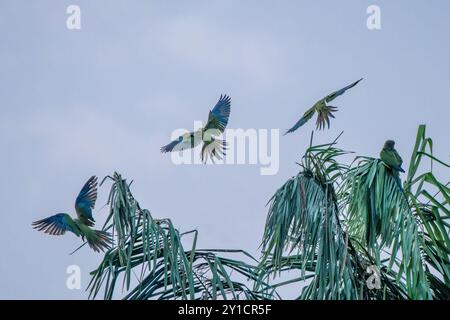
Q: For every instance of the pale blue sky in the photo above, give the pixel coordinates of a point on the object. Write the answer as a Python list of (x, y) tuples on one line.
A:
[(107, 97)]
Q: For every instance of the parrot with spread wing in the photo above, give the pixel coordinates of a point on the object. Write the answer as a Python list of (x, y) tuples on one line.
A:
[(58, 224), (324, 111), (392, 159), (213, 147)]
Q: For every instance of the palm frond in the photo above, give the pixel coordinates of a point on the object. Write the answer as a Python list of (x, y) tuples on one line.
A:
[(304, 217), (151, 260)]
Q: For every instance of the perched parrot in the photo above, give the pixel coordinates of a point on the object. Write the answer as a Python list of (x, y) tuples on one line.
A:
[(392, 159), (62, 222), (324, 111), (212, 147)]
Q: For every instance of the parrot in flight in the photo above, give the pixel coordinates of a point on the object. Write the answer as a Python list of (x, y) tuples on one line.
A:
[(324, 111), (392, 159), (62, 222), (216, 124)]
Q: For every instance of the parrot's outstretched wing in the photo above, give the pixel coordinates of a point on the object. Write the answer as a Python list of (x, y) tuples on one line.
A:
[(56, 225), (182, 143), (214, 148), (219, 115), (306, 116), (336, 94), (85, 201)]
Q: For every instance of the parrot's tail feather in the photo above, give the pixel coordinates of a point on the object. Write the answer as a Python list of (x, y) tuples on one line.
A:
[(398, 182), (99, 240), (214, 149), (323, 117)]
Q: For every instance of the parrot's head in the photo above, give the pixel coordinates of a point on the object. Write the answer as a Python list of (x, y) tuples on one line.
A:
[(389, 144)]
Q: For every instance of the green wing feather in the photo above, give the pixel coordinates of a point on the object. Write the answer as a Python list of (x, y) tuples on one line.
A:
[(305, 118), (337, 93), (85, 201), (219, 115), (392, 159), (57, 225)]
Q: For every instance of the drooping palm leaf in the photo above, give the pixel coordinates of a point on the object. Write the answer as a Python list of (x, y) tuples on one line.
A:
[(304, 217), (150, 255)]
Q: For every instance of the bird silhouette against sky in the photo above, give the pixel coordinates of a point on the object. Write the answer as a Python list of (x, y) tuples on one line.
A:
[(392, 159), (324, 111), (60, 223), (213, 147)]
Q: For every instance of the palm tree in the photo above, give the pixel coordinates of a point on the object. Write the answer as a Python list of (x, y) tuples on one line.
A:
[(345, 231)]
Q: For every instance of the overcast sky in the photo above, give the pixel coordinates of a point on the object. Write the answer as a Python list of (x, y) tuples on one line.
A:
[(105, 98)]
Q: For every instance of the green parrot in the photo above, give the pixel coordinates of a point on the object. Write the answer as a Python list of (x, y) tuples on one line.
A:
[(324, 111), (59, 223), (212, 148), (392, 159)]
